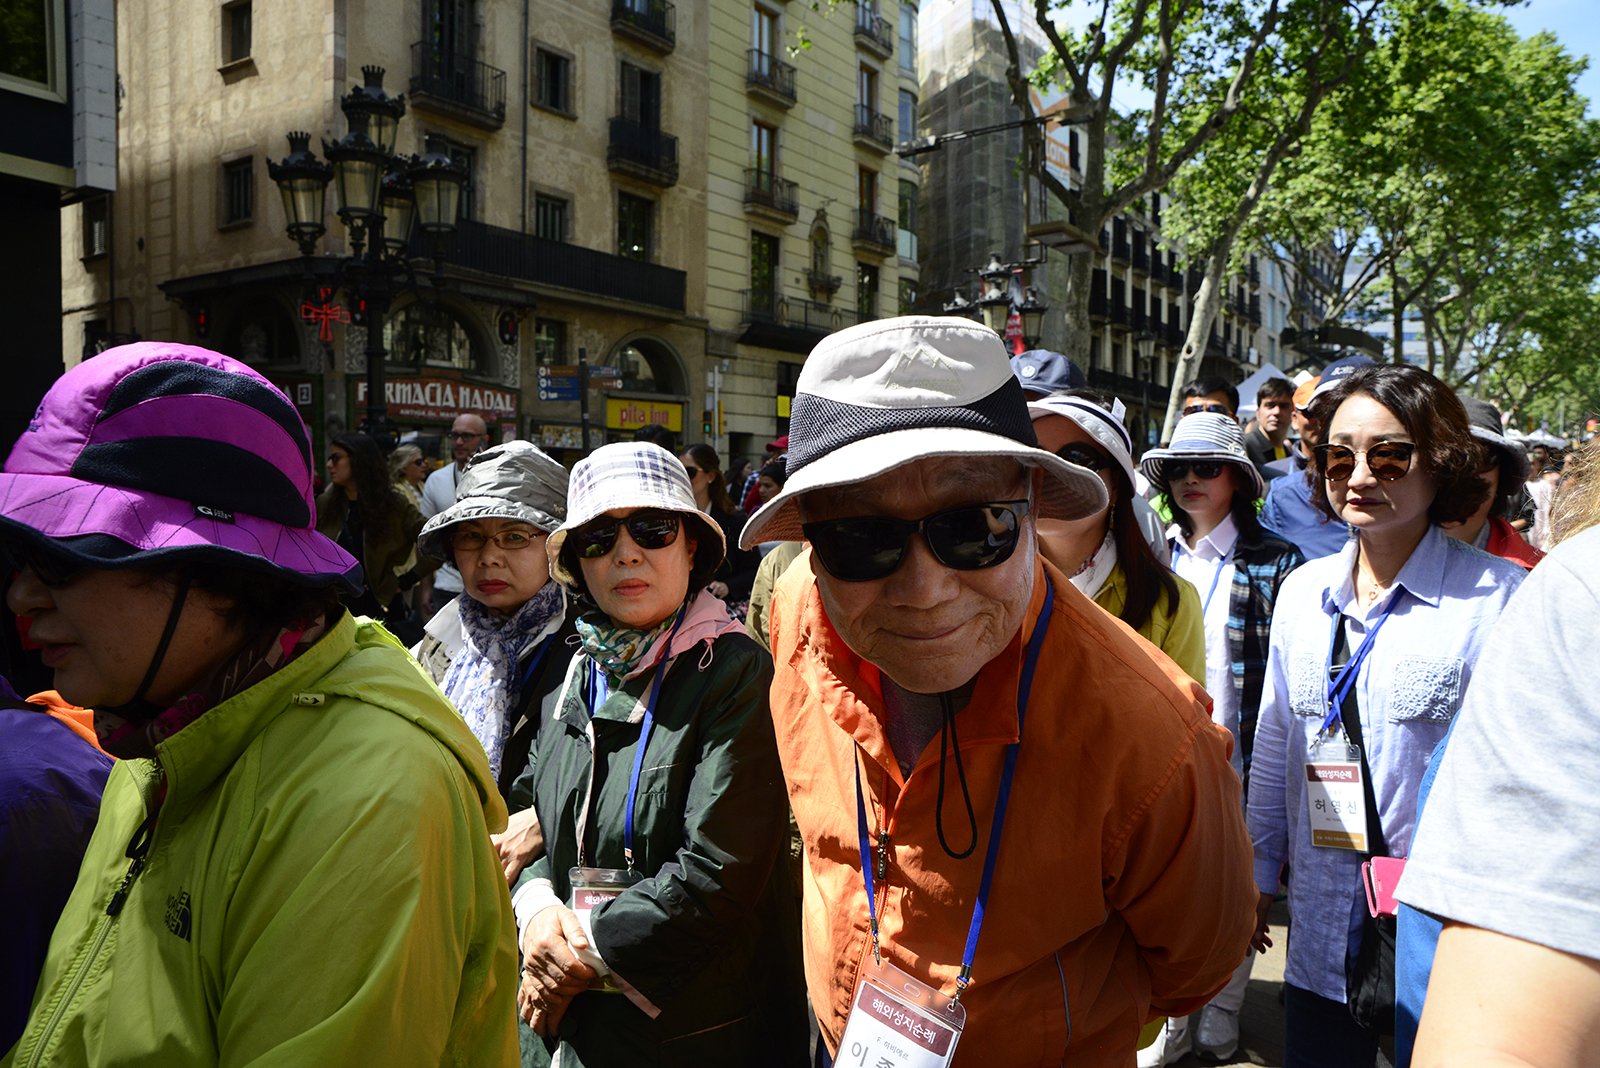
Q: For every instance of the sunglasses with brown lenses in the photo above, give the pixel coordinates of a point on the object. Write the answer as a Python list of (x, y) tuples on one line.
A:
[(1387, 460)]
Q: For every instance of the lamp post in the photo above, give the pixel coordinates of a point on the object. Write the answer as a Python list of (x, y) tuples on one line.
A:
[(960, 305), (1145, 341), (380, 194), (1032, 310)]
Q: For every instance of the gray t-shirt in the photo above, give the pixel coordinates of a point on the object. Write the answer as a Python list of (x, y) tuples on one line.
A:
[(1510, 838)]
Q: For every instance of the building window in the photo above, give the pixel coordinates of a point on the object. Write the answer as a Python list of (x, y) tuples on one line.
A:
[(867, 190), (429, 335), (236, 31), (764, 149), (32, 46), (906, 237), (550, 217), (238, 191), (764, 31), (96, 227), (866, 291), (867, 89), (635, 226), (763, 273), (640, 97), (549, 342), (467, 157), (552, 80), (908, 37), (908, 115)]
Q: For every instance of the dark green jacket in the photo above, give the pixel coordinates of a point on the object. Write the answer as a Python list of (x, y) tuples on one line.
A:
[(703, 937)]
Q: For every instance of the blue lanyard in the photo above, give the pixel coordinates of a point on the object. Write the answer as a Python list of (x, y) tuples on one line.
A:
[(1002, 799), (1339, 686), (1216, 576), (530, 672), (598, 689)]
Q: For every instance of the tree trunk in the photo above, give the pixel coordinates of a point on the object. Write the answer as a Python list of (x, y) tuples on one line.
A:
[(1206, 303)]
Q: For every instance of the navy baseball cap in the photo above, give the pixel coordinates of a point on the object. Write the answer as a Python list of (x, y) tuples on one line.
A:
[(1041, 372), (1339, 370)]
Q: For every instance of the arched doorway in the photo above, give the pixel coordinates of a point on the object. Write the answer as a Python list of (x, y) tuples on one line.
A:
[(648, 385)]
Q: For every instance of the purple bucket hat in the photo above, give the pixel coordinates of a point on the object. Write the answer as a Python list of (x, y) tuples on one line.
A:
[(154, 451)]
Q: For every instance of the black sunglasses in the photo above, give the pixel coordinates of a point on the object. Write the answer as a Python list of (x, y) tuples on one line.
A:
[(1178, 470), (1084, 456), (1387, 460), (968, 538), (691, 469), (649, 529), (1214, 409), (52, 569)]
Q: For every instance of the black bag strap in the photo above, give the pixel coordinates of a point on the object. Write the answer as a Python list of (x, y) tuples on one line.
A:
[(1350, 716)]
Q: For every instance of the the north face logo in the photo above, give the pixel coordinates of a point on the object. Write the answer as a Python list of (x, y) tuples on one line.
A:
[(178, 919)]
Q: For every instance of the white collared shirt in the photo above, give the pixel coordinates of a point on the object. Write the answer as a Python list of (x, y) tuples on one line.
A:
[(1208, 567)]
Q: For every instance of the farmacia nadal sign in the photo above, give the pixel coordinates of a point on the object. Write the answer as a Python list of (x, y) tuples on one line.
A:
[(441, 398)]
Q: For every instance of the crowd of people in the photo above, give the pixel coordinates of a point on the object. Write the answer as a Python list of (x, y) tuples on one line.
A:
[(950, 731)]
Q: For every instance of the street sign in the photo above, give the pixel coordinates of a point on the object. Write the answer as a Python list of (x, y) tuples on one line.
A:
[(558, 382)]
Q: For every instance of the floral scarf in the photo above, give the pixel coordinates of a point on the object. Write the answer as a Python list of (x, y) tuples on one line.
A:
[(618, 650), (128, 732), (482, 681), (1091, 576)]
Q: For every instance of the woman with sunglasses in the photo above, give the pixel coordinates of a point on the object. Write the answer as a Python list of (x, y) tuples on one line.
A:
[(653, 929), (1108, 555), (1211, 486), (291, 863), (733, 578), (1370, 653)]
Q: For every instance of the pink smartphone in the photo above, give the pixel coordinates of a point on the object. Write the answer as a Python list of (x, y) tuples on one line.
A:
[(1380, 876)]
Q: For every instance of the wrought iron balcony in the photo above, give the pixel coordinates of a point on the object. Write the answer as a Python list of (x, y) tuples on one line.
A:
[(494, 250), (770, 78), (652, 23), (873, 129), (873, 233), (458, 86), (873, 32), (642, 152), (765, 192), (791, 324), (1141, 255)]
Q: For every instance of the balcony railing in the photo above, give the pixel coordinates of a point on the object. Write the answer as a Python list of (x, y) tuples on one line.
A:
[(873, 32), (643, 152), (458, 86), (653, 23), (1141, 256), (766, 191), (494, 250), (796, 313), (873, 231), (874, 129), (771, 77)]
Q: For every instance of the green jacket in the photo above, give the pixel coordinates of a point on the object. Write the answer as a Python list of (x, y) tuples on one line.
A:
[(708, 938), (319, 889), (1180, 632)]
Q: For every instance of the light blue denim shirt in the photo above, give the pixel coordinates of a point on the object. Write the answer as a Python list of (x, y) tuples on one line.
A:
[(1444, 601)]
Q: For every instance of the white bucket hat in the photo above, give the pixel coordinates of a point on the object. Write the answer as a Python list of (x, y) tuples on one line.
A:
[(1203, 436), (634, 474), (887, 393), (1105, 427)]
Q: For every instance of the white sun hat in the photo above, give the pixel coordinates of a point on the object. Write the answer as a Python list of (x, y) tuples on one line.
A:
[(884, 394)]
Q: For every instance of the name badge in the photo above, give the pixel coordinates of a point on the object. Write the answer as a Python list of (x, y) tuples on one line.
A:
[(898, 1021), (591, 888), (1336, 800)]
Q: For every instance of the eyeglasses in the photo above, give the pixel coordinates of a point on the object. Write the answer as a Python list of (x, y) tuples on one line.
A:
[(418, 462), (1214, 409), (1387, 460), (969, 538), (649, 528), (510, 540), (1178, 470), (49, 568), (1084, 456), (463, 435), (692, 469)]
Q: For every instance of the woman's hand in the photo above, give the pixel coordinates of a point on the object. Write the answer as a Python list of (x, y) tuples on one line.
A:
[(718, 589), (520, 844), (1261, 941), (549, 964), (542, 1013)]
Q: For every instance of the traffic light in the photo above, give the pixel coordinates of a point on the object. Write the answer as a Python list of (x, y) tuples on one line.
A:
[(706, 422)]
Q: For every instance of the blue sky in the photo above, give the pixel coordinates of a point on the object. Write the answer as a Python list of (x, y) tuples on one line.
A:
[(1575, 25)]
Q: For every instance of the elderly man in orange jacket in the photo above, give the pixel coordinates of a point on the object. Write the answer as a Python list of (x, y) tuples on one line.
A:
[(1022, 835)]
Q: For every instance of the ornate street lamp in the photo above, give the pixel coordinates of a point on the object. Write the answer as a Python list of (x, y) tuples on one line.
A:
[(960, 305), (995, 300), (1032, 310), (379, 194), (1145, 342)]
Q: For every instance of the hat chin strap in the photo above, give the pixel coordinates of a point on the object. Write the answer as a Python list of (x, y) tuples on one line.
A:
[(137, 708)]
